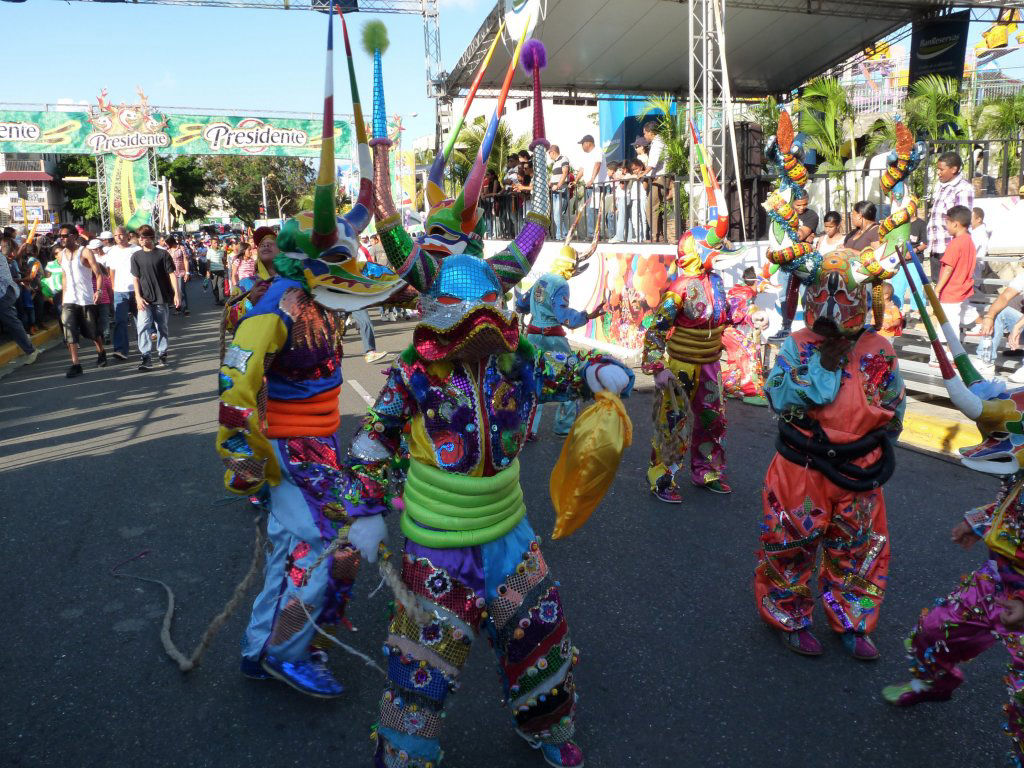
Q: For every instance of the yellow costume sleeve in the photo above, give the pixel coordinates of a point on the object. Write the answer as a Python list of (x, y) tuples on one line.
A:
[(244, 449)]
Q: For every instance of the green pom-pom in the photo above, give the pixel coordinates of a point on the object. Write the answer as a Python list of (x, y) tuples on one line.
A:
[(375, 37)]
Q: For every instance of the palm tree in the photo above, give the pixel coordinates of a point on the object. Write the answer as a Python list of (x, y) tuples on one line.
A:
[(826, 119), (765, 113), (467, 146), (932, 105), (1003, 118)]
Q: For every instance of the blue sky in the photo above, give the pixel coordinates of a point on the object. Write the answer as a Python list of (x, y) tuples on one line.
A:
[(218, 57), (233, 59)]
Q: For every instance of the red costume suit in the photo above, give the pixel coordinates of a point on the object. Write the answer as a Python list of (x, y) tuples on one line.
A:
[(840, 399)]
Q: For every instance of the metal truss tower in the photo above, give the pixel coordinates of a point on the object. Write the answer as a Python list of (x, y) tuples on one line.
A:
[(705, 105), (101, 189)]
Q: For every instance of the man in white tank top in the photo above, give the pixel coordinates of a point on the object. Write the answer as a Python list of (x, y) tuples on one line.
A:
[(78, 307)]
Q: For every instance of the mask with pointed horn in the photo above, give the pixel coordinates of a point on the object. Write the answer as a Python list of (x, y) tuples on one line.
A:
[(320, 247), (702, 248)]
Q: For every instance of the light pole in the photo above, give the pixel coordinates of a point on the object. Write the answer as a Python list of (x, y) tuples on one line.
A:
[(263, 187)]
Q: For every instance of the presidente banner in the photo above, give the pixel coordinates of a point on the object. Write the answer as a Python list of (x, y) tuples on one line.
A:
[(130, 130)]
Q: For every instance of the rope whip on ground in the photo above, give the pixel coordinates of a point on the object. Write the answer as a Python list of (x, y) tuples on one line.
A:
[(403, 595), (188, 663)]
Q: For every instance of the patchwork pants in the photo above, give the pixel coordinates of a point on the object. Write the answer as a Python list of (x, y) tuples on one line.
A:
[(962, 626), (565, 412), (502, 589), (697, 425), (305, 517), (802, 512)]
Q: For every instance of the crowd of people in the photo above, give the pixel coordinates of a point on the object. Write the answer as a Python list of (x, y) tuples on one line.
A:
[(626, 198), (96, 286)]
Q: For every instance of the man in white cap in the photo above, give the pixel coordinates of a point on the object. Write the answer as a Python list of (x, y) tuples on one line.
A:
[(118, 259)]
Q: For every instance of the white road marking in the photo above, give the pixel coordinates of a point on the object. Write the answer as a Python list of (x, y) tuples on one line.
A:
[(360, 391)]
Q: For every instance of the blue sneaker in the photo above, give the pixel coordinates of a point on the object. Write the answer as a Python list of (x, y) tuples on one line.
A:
[(305, 676), (252, 669)]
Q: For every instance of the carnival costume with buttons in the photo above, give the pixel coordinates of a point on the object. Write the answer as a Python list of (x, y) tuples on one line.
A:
[(824, 486), (742, 371), (685, 337), (547, 301), (465, 391), (961, 626), (279, 388)]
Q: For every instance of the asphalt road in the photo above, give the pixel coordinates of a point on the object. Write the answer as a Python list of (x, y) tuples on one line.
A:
[(676, 667)]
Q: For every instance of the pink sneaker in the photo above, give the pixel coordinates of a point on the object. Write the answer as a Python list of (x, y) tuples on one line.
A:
[(904, 695), (860, 647), (564, 755), (803, 642), (669, 495)]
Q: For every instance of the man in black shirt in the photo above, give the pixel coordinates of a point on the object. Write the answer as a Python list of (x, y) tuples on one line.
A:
[(153, 270)]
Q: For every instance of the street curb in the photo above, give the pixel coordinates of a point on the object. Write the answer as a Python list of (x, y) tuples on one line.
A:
[(937, 435), (10, 350)]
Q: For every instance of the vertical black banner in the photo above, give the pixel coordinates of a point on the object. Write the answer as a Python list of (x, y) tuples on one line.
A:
[(939, 45)]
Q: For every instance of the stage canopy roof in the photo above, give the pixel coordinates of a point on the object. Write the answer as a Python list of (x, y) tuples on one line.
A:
[(640, 46)]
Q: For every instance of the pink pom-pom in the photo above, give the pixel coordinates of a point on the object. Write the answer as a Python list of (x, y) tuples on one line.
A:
[(534, 56)]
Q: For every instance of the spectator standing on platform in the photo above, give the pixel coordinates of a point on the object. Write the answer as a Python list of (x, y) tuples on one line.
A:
[(592, 171), (215, 271), (951, 189), (832, 238), (956, 274), (621, 205), (980, 235), (155, 288), (636, 202), (559, 183), (78, 311), (9, 294), (808, 218), (865, 228), (182, 270), (118, 260), (654, 172)]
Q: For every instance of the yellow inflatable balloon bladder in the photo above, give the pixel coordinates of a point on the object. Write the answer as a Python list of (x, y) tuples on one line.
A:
[(588, 462)]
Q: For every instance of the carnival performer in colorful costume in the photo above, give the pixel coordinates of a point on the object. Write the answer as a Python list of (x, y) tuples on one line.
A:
[(838, 392), (988, 605), (279, 388), (466, 390), (682, 348), (547, 301), (742, 370)]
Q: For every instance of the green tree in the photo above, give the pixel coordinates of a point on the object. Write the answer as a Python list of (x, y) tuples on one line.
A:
[(237, 180), (826, 118), (931, 108), (83, 198), (188, 181), (467, 146), (1003, 118), (765, 113)]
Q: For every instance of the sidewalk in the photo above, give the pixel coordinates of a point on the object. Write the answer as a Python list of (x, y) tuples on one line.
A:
[(11, 352)]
